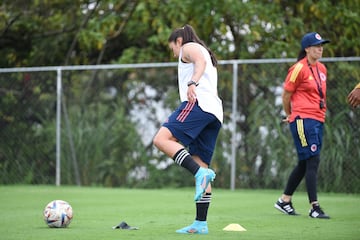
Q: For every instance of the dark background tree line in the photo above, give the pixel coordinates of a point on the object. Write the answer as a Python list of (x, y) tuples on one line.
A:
[(108, 147)]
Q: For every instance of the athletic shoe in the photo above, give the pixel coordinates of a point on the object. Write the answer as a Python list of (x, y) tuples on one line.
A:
[(202, 179), (317, 212), (285, 207), (197, 227)]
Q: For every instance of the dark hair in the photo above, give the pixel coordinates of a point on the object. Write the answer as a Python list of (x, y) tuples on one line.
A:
[(188, 35), (301, 55)]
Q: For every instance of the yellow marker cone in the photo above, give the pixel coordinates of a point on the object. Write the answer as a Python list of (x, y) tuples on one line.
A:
[(234, 227)]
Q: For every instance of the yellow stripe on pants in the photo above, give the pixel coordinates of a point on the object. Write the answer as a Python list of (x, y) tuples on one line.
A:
[(300, 130)]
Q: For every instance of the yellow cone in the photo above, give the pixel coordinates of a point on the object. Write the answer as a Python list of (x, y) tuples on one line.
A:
[(234, 227)]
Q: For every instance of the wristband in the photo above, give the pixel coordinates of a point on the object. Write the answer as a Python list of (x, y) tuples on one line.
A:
[(192, 83)]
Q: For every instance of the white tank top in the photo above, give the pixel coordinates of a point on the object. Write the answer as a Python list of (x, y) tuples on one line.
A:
[(206, 91)]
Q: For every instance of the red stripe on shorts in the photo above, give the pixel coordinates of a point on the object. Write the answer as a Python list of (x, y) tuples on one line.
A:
[(185, 112)]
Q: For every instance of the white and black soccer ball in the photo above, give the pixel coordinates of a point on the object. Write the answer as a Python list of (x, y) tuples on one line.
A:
[(58, 214)]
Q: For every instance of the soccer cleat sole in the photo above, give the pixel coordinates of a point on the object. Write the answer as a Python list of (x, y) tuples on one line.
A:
[(205, 183)]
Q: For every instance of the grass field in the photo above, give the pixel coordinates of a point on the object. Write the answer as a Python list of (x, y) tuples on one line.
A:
[(158, 213)]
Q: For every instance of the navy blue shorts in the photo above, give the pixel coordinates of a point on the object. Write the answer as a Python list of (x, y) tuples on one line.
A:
[(307, 134), (195, 129)]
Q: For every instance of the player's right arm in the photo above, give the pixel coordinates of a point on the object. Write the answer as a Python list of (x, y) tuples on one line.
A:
[(354, 96), (286, 101), (290, 85)]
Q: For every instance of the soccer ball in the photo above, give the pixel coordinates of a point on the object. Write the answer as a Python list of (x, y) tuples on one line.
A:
[(58, 214)]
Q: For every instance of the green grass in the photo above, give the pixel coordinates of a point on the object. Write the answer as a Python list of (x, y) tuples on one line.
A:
[(158, 213)]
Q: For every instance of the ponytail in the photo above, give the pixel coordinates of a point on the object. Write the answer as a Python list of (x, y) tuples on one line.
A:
[(301, 55), (188, 34)]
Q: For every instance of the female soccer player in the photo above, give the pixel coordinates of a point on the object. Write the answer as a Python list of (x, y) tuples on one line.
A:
[(196, 122)]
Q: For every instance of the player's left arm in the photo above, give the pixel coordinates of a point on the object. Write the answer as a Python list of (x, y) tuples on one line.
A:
[(193, 54)]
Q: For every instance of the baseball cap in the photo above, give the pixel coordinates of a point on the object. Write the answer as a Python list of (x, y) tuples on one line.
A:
[(312, 39)]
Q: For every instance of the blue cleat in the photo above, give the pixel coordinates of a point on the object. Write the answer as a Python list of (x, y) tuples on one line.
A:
[(197, 227), (202, 179)]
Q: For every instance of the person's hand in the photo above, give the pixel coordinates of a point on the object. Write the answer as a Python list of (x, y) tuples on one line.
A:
[(354, 97), (286, 119), (191, 93)]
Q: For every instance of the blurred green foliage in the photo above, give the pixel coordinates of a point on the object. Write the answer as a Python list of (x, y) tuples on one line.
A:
[(107, 145)]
